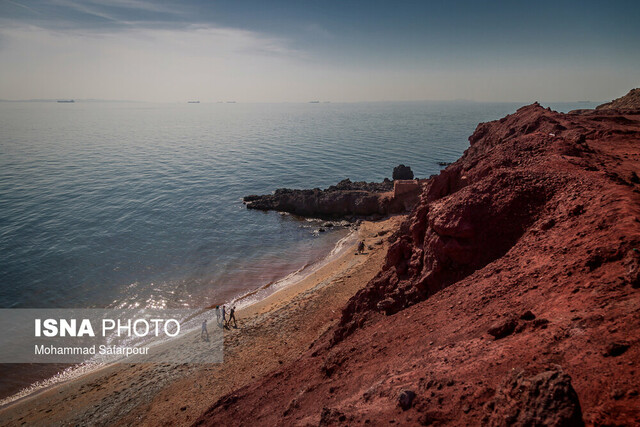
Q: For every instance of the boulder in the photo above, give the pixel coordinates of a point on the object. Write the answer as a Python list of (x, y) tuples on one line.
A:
[(402, 172), (527, 315), (405, 399), (504, 328), (615, 349), (546, 399)]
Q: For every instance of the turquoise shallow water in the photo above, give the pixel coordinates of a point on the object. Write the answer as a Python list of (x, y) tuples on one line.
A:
[(125, 204)]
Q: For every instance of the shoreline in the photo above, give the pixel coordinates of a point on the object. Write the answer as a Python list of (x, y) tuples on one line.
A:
[(330, 273), (255, 296), (242, 301)]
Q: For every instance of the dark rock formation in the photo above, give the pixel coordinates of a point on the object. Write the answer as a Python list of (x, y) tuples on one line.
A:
[(331, 417), (405, 399), (615, 349), (503, 329), (527, 315), (344, 200), (546, 399), (402, 172)]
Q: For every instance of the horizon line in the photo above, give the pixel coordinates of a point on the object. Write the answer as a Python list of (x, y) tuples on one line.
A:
[(99, 100)]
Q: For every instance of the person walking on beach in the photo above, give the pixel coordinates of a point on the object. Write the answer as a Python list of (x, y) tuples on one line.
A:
[(224, 316), (361, 246), (232, 316), (218, 315), (204, 334)]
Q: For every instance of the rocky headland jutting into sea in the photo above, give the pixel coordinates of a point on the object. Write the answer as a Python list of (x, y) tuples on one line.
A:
[(508, 297), (346, 200)]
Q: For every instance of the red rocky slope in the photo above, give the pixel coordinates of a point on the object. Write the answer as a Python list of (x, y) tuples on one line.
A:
[(510, 296), (630, 101)]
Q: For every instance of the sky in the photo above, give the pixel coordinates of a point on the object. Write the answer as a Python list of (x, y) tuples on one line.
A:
[(302, 50)]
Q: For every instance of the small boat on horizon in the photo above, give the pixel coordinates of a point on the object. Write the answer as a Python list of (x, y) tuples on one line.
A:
[(314, 102), (193, 102), (65, 101)]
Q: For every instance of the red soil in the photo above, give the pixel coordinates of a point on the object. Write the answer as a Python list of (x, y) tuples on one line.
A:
[(510, 296)]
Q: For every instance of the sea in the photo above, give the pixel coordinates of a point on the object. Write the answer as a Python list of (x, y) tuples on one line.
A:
[(132, 204)]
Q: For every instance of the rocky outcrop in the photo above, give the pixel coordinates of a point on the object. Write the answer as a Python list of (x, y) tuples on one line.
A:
[(349, 200), (631, 101), (546, 399), (402, 172)]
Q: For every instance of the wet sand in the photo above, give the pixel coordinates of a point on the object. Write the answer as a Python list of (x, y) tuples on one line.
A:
[(270, 333)]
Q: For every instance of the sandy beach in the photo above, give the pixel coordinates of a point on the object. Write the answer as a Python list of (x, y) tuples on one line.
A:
[(272, 332)]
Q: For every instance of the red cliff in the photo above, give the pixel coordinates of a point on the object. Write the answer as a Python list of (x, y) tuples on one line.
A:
[(510, 296)]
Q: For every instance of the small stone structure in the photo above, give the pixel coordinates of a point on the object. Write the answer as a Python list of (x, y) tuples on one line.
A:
[(404, 186)]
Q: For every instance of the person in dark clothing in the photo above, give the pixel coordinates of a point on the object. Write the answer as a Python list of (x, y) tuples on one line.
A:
[(224, 316), (232, 316), (361, 246)]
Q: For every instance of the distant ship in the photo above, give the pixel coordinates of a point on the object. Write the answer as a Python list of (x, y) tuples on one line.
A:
[(314, 102), (231, 102), (193, 102), (65, 101)]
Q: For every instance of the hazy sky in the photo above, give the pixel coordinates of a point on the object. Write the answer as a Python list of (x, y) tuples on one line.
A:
[(304, 50)]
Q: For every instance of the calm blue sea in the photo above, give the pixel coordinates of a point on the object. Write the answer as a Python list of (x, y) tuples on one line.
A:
[(132, 204)]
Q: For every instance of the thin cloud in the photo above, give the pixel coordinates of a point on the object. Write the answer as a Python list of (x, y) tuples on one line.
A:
[(98, 15), (87, 9), (137, 5), (30, 9), (138, 49), (145, 64)]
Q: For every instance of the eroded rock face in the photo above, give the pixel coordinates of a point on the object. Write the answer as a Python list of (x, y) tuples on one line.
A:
[(480, 206), (546, 399), (469, 215), (344, 200)]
